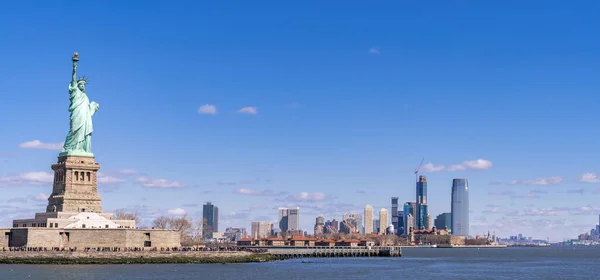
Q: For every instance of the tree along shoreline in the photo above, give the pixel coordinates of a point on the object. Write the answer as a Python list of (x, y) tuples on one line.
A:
[(254, 258)]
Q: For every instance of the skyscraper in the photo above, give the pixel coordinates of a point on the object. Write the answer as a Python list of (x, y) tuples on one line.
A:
[(289, 219), (210, 220), (460, 207), (261, 229), (410, 211), (401, 223), (383, 220), (421, 215), (319, 225), (443, 220), (395, 221), (368, 219), (355, 219)]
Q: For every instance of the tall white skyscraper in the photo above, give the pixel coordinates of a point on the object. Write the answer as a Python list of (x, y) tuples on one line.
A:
[(368, 219), (383, 220), (289, 219)]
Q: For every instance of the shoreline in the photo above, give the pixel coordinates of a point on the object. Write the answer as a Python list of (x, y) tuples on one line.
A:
[(100, 258)]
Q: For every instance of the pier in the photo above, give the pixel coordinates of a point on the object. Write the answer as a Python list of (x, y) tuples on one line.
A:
[(333, 252)]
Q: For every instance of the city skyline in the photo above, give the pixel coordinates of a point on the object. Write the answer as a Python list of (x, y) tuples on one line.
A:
[(324, 109)]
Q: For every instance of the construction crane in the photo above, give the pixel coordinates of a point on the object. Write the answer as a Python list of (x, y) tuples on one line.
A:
[(417, 170)]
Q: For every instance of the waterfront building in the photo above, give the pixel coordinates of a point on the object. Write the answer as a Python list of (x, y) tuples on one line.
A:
[(383, 220), (289, 219), (395, 213), (261, 229), (421, 203), (210, 220), (460, 207), (444, 220), (375, 225), (368, 219)]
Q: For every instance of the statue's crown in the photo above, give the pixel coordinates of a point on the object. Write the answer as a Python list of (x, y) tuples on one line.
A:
[(82, 79)]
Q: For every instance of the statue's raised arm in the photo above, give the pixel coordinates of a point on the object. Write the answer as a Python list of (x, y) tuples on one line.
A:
[(75, 61)]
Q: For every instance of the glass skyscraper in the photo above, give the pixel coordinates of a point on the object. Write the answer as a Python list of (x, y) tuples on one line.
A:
[(210, 216), (395, 214), (421, 221), (460, 207)]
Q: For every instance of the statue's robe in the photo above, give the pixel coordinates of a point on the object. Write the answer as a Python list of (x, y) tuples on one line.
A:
[(81, 112)]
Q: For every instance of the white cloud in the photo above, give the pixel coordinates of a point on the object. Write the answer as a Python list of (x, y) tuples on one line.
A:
[(245, 191), (176, 212), (589, 178), (108, 180), (555, 180), (476, 164), (374, 50), (128, 171), (34, 178), (430, 167), (208, 109), (158, 183), (41, 197), (37, 144), (305, 196), (248, 110)]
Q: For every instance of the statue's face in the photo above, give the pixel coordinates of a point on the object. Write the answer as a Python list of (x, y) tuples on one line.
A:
[(81, 86)]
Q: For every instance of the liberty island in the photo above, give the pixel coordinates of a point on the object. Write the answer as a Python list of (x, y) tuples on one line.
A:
[(74, 216)]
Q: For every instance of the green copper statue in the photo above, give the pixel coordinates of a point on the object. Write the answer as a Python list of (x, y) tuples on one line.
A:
[(79, 139)]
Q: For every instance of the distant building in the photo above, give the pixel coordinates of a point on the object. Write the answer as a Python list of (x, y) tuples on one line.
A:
[(400, 229), (395, 214), (235, 234), (368, 219), (356, 220), (289, 219), (376, 225), (332, 226), (421, 202), (460, 207), (429, 222), (410, 211), (319, 225), (444, 220), (383, 220), (210, 222), (261, 229)]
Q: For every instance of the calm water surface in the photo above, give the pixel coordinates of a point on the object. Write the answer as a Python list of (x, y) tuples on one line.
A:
[(510, 263)]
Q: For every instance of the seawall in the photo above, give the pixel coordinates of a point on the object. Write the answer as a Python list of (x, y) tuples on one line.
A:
[(92, 257)]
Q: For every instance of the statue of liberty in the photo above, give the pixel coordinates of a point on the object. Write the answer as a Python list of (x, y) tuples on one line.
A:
[(79, 139)]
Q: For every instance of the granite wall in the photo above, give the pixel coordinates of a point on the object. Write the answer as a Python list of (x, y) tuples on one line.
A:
[(92, 238)]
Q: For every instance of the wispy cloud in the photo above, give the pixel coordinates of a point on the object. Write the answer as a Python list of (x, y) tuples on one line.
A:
[(248, 110), (505, 192), (109, 180), (37, 144), (27, 178), (476, 164), (158, 183), (306, 196), (555, 180), (245, 191), (176, 212), (589, 177), (207, 109), (374, 50), (128, 171)]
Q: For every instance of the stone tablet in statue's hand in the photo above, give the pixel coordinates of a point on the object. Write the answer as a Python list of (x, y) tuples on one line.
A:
[(95, 106)]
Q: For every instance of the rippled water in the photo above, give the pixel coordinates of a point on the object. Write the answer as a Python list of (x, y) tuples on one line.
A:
[(417, 263)]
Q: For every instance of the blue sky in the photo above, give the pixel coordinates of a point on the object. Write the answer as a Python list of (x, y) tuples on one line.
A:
[(339, 102)]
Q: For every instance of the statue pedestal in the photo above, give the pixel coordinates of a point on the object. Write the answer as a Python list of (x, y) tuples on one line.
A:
[(75, 187)]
